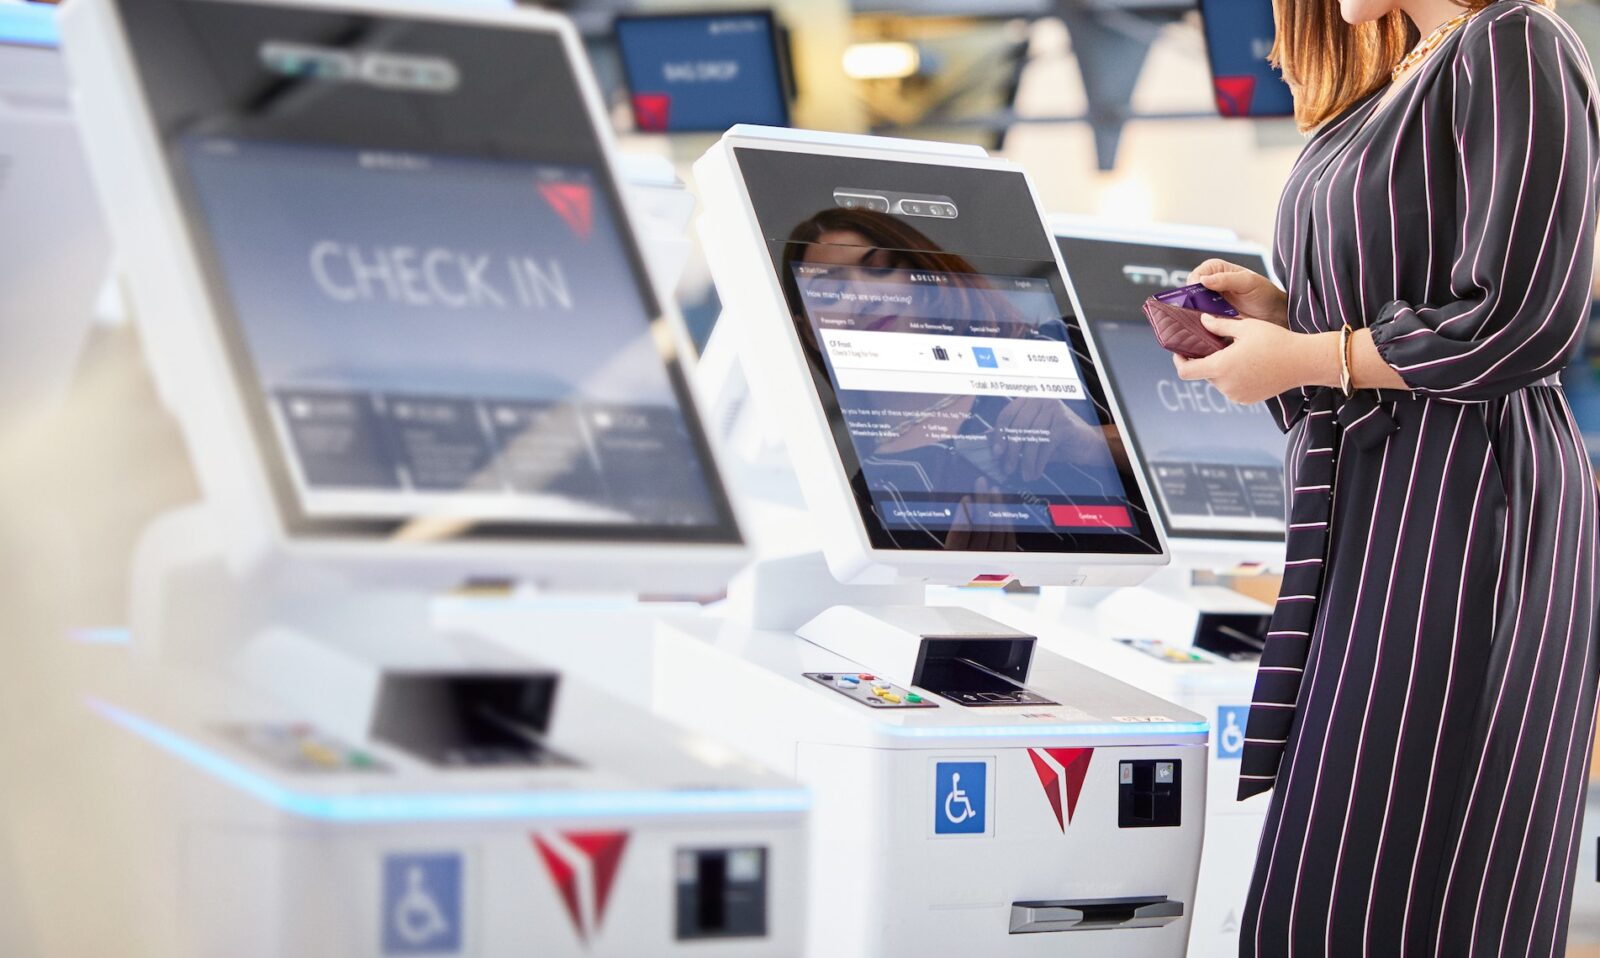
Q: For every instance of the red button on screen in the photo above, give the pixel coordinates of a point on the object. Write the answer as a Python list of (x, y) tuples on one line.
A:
[(1091, 517)]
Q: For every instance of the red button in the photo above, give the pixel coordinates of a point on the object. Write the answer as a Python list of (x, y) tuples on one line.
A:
[(867, 678), (1091, 517)]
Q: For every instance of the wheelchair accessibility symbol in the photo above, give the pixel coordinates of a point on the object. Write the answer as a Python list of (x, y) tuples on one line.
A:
[(422, 904), (1231, 721), (961, 792)]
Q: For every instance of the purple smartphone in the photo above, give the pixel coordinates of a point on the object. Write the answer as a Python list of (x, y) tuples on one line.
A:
[(1195, 296)]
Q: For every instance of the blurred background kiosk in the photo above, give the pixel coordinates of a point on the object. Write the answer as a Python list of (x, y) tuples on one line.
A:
[(389, 290), (1216, 471), (905, 318)]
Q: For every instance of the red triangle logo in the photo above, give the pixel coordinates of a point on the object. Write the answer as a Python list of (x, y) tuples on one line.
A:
[(574, 203), (1051, 783), (603, 853), (651, 110), (566, 880), (1062, 787), (1234, 94)]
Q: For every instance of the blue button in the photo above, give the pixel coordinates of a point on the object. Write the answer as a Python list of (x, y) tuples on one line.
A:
[(422, 904), (960, 798), (985, 357), (1231, 720)]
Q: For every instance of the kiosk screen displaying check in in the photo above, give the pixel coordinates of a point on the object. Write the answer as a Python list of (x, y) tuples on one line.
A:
[(1216, 466), (906, 321), (1216, 469), (391, 294)]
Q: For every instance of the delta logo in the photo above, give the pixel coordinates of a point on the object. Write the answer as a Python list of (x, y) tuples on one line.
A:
[(1234, 94), (1061, 771), (651, 111), (583, 866), (574, 203)]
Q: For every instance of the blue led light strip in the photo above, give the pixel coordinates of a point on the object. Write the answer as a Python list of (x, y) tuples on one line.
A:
[(1125, 730), (455, 806), (28, 23)]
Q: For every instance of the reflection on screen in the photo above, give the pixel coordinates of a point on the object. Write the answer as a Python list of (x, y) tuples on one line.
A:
[(702, 72), (1217, 466), (961, 397), (448, 337)]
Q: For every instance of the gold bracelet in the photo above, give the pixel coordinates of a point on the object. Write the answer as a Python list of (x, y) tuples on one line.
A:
[(1346, 381)]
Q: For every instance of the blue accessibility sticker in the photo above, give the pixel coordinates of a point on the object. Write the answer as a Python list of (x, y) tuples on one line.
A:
[(1231, 720), (960, 798), (422, 904)]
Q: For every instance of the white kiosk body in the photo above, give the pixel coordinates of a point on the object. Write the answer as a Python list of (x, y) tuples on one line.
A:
[(55, 254), (1216, 470), (901, 306), (389, 286)]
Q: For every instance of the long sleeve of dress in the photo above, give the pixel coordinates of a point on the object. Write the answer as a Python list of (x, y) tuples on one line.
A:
[(1526, 139)]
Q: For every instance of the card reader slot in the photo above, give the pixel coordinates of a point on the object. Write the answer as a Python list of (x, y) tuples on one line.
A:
[(1093, 914), (977, 671), (469, 720), (1237, 636)]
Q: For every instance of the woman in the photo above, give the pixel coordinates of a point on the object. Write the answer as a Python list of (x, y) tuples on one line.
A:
[(1424, 708)]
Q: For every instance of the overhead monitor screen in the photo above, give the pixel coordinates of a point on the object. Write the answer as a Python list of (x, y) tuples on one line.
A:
[(1216, 466), (1238, 35), (964, 403), (425, 285), (703, 72)]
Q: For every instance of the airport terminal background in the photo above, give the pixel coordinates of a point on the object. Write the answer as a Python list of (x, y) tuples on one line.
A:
[(1119, 111)]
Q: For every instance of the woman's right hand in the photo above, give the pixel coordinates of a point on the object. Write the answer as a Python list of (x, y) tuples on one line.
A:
[(1246, 290)]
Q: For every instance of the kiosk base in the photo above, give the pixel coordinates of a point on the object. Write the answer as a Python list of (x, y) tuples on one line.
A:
[(994, 828), (340, 776), (1142, 636)]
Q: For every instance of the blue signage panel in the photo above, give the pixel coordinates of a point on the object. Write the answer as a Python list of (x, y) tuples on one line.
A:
[(703, 72), (1230, 726), (1239, 35), (960, 798), (422, 896)]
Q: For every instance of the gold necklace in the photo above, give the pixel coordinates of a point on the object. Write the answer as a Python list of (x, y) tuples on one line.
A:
[(1427, 44)]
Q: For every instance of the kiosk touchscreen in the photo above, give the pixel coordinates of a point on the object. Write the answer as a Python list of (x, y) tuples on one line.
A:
[(391, 291), (904, 312)]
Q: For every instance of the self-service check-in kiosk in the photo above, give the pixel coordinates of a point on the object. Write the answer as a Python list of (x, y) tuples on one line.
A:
[(1215, 469), (389, 288), (905, 317)]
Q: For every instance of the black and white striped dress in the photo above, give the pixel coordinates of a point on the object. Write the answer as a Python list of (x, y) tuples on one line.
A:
[(1425, 705)]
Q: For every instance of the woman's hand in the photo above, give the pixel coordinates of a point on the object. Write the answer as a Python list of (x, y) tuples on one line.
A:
[(1263, 360), (1245, 290)]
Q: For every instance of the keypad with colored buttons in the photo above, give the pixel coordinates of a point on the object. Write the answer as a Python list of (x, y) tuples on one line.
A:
[(300, 747), (1157, 649), (872, 690)]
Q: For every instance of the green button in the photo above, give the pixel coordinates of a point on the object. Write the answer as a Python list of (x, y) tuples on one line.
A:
[(359, 760), (913, 698)]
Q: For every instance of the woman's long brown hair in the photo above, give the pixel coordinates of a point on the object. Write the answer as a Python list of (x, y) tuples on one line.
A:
[(1330, 64)]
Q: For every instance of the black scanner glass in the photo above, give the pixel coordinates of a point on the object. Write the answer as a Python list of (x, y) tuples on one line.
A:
[(958, 387), (434, 308)]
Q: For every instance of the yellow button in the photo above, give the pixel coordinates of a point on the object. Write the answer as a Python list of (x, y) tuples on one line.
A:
[(320, 754), (891, 698)]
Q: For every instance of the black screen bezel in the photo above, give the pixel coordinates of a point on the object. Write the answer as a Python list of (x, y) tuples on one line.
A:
[(781, 68), (1144, 540), (1174, 532), (180, 109)]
